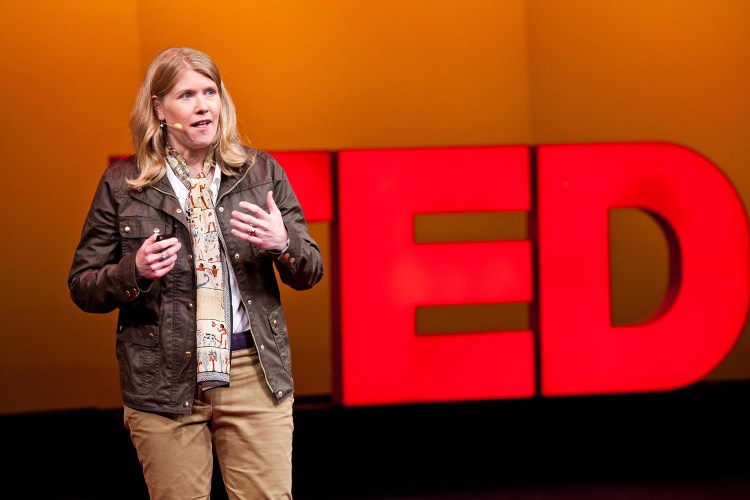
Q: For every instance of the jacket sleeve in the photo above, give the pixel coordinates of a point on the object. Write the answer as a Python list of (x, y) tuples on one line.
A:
[(301, 265), (100, 278)]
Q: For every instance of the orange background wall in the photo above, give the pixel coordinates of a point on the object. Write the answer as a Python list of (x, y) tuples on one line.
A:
[(67, 69), (330, 75)]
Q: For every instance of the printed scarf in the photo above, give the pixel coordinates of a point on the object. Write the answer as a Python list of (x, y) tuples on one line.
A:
[(213, 301)]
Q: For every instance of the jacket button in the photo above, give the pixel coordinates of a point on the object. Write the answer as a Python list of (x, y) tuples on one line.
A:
[(186, 404), (188, 354), (274, 322), (126, 229), (291, 261), (179, 210), (151, 335), (221, 209), (190, 305), (249, 301), (127, 293), (262, 347), (236, 256), (140, 189), (286, 255), (280, 393), (190, 257)]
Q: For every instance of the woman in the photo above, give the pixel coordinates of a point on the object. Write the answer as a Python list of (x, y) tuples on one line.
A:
[(183, 238)]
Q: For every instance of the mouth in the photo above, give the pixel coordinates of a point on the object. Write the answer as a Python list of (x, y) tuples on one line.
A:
[(201, 124)]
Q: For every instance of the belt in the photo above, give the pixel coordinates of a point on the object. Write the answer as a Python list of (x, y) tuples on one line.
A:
[(241, 340)]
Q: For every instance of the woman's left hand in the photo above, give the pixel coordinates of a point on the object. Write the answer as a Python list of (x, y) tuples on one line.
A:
[(263, 229)]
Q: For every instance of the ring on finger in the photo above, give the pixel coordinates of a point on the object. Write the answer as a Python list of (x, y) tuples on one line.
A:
[(252, 230), (163, 256)]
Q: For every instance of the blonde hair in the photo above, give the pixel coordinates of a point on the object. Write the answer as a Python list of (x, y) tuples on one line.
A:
[(149, 139)]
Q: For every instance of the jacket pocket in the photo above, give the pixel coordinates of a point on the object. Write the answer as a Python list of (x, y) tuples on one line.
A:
[(138, 355), (135, 230), (277, 322)]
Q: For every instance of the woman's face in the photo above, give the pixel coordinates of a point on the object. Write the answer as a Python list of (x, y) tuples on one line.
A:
[(195, 104)]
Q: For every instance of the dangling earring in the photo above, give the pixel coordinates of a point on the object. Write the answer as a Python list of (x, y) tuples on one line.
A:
[(163, 123)]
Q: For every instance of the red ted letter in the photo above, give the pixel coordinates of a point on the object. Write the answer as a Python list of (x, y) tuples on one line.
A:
[(310, 175), (708, 298), (385, 275)]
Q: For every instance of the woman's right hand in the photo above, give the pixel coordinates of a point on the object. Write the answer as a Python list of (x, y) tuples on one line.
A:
[(156, 258)]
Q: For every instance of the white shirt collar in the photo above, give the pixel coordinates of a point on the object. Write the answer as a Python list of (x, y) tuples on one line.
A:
[(182, 192)]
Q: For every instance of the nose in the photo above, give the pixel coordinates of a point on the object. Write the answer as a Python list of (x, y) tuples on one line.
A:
[(201, 106)]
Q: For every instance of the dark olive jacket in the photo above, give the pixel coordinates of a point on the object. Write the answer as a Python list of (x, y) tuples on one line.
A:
[(156, 329)]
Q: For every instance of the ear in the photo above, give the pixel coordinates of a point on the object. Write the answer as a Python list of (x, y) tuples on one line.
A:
[(156, 102)]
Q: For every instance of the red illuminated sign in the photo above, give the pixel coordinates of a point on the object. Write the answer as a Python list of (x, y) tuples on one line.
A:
[(385, 275)]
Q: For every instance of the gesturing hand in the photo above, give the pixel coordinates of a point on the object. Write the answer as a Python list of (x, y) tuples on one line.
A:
[(263, 229), (156, 258)]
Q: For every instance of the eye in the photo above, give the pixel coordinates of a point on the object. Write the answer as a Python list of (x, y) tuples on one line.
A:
[(211, 92), (186, 95)]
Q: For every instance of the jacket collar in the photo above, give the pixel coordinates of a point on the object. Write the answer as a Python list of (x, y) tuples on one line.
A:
[(229, 183), (162, 197)]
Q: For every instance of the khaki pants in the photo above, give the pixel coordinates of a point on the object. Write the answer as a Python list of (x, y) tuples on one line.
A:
[(252, 437)]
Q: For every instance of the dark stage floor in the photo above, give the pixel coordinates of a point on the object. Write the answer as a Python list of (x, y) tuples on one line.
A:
[(688, 444)]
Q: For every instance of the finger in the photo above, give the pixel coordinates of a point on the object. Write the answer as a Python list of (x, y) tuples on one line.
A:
[(241, 234), (246, 218), (254, 209), (162, 245), (172, 245), (166, 246), (158, 273), (245, 235), (153, 258), (151, 240), (271, 203), (156, 259), (247, 226), (164, 264), (241, 225), (169, 249), (154, 246)]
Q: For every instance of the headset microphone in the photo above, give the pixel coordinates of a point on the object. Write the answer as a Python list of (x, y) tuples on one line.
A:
[(176, 126)]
